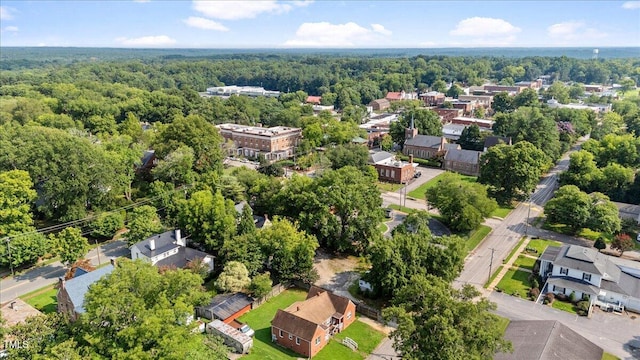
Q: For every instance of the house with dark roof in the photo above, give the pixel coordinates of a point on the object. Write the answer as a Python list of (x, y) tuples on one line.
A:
[(71, 292), (307, 326), (490, 141), (547, 340), (423, 146), (465, 162), (168, 249), (628, 211), (603, 280), (259, 221), (380, 104), (225, 307)]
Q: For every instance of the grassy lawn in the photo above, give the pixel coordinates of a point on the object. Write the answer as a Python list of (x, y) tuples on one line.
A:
[(477, 237), (541, 244), (501, 212), (387, 186), (525, 262), (515, 282), (504, 322), (260, 320), (564, 306), (607, 356), (43, 299), (403, 209), (493, 276), (363, 334), (418, 193), (383, 228), (515, 249)]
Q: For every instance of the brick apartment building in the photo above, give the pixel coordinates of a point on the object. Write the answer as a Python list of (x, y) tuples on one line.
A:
[(274, 143)]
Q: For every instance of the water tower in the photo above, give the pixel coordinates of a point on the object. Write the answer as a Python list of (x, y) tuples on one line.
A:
[(595, 53)]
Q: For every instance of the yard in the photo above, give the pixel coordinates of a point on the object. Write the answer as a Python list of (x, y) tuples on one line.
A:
[(541, 244), (564, 306), (501, 212), (43, 299), (260, 320), (478, 235), (515, 282), (525, 262), (418, 193), (388, 187)]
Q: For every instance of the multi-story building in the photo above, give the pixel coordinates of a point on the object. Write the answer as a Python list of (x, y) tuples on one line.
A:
[(274, 143), (253, 91), (391, 169)]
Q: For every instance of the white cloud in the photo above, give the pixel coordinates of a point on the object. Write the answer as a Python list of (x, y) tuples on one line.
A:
[(11, 29), (631, 5), (574, 31), (235, 10), (206, 24), (5, 13), (484, 27), (147, 41), (324, 34)]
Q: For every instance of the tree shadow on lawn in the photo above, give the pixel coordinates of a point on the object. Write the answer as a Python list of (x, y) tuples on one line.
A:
[(264, 336)]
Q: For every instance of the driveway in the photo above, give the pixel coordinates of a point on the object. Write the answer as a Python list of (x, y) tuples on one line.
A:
[(427, 174)]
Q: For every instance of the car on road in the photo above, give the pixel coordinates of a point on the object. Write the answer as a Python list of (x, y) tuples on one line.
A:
[(388, 212)]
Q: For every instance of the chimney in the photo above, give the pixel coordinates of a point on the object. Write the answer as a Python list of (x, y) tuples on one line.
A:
[(179, 240), (113, 261), (411, 159), (442, 142), (152, 244), (61, 282)]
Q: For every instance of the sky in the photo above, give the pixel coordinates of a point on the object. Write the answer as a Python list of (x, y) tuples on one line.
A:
[(319, 24)]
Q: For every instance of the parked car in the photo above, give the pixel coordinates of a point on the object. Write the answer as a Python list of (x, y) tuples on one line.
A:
[(388, 212), (247, 330)]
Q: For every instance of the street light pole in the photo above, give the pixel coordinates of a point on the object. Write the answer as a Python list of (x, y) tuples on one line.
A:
[(98, 250), (526, 228), (9, 253), (491, 263)]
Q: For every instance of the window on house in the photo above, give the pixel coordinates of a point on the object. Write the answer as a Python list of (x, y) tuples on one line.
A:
[(349, 315), (290, 337), (564, 271), (280, 333), (318, 340), (586, 277), (297, 340)]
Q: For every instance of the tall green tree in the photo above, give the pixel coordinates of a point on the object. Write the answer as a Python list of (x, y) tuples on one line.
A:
[(70, 245), (471, 139), (463, 205), (426, 121), (582, 172), (208, 218), (234, 277), (143, 222), (512, 172), (503, 103), (436, 321), (532, 125), (348, 155)]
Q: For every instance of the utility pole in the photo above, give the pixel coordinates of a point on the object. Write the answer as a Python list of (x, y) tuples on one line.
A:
[(9, 253), (526, 228), (98, 250), (491, 263)]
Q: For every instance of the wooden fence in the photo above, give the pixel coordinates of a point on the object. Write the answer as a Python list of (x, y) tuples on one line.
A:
[(275, 290)]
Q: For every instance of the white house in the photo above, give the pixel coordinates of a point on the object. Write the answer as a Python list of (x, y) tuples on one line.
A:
[(168, 249), (605, 281)]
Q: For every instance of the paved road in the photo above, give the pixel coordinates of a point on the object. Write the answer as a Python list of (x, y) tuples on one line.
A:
[(616, 334), (498, 244), (12, 287)]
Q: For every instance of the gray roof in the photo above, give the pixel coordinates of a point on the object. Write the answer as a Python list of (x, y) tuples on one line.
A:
[(490, 141), (425, 141), (225, 305), (78, 286), (376, 157), (547, 340), (628, 211), (464, 156), (587, 260), (180, 259), (627, 284), (164, 242), (448, 146), (550, 253)]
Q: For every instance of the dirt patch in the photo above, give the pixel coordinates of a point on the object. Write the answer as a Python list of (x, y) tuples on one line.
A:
[(336, 273)]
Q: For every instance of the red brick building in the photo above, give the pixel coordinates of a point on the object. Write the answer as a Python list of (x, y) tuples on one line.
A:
[(274, 143), (448, 114), (392, 170), (307, 326)]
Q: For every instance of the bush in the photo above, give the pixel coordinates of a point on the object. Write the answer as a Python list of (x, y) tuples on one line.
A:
[(549, 297), (572, 297), (561, 297), (107, 224), (535, 284), (534, 293), (582, 308)]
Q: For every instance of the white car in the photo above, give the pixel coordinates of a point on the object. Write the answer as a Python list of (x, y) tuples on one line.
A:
[(247, 330)]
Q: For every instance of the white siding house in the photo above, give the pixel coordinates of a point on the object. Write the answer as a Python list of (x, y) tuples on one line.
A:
[(168, 249)]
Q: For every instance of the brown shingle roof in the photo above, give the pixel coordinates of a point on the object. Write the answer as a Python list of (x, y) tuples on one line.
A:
[(293, 324)]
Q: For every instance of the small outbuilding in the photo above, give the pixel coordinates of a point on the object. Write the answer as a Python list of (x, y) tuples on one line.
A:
[(226, 307), (240, 342)]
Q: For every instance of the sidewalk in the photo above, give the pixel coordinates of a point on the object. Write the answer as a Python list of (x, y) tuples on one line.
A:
[(507, 266)]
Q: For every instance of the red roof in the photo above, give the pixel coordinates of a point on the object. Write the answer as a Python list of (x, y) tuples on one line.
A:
[(314, 99), (393, 96)]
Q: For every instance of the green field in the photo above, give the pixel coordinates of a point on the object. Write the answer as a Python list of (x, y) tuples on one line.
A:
[(43, 299), (478, 235), (364, 335), (515, 282), (564, 306), (418, 193)]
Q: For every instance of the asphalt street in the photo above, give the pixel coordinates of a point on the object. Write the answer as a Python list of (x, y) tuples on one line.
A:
[(12, 287)]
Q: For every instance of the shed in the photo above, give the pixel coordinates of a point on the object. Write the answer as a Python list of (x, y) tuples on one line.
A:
[(240, 342), (225, 307)]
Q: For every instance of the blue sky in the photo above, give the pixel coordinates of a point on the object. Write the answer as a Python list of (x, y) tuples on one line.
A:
[(335, 24)]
